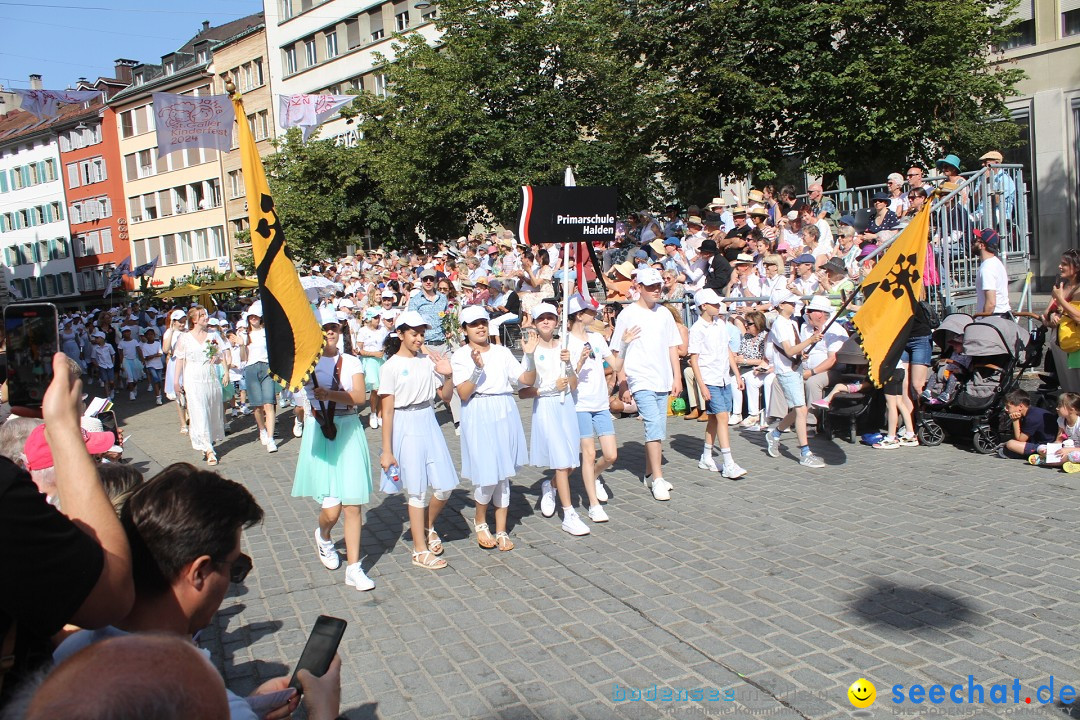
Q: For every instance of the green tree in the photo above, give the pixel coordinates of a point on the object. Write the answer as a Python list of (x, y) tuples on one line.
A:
[(845, 84), (517, 90), (325, 195)]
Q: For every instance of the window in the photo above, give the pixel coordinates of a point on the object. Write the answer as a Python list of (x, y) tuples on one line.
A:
[(257, 72), (376, 24), (146, 163), (44, 250), (217, 242), (149, 202), (286, 9), (169, 250), (127, 126), (380, 84), (1025, 31), (170, 67), (309, 52), (50, 285), (260, 124), (290, 60), (352, 32), (401, 15), (50, 170), (202, 56), (429, 13), (331, 45), (1070, 17), (61, 248), (67, 285)]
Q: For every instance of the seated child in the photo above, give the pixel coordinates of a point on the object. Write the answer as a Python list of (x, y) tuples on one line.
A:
[(1032, 427), (853, 387), (1068, 434), (949, 371)]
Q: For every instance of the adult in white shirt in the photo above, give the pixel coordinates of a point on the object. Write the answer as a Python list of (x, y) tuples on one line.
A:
[(650, 369), (825, 236), (992, 280)]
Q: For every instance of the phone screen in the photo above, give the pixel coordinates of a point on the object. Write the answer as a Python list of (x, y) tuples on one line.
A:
[(320, 649), (32, 340), (108, 424)]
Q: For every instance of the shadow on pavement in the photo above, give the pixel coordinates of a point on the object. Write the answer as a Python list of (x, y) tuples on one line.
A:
[(909, 608), (367, 711)]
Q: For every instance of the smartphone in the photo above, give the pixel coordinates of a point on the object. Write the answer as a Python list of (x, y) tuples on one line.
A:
[(32, 339), (108, 424), (320, 649)]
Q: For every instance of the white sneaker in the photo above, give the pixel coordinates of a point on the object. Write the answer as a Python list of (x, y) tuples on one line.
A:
[(547, 499), (597, 514), (263, 437), (812, 461), (705, 462), (732, 471), (327, 553), (355, 576), (601, 491), (271, 446), (131, 395), (772, 444), (734, 419), (573, 524), (158, 399), (297, 428), (661, 488), (149, 388), (373, 421)]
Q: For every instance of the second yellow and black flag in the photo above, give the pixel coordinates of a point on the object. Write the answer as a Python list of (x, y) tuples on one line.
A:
[(892, 291), (294, 338)]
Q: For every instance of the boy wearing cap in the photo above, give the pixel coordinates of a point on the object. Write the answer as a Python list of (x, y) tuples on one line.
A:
[(647, 340), (783, 348), (715, 369), (999, 197), (992, 280)]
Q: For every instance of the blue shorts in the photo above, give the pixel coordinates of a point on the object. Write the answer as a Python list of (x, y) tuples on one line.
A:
[(791, 383), (917, 351), (652, 407), (107, 374), (595, 424), (261, 388), (720, 400), (154, 374)]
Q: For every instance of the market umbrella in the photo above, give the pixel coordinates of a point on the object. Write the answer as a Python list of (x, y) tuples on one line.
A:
[(316, 286), (185, 290), (234, 284)]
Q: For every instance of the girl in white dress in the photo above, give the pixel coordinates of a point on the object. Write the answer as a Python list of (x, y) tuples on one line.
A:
[(369, 348), (412, 442), (177, 327), (556, 440), (197, 357), (492, 439)]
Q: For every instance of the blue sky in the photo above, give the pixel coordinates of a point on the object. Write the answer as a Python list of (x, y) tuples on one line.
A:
[(63, 40)]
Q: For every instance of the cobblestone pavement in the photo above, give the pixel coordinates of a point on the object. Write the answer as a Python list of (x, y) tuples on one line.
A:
[(777, 591)]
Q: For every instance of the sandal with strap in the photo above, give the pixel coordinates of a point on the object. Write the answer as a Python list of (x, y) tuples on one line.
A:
[(211, 459), (503, 542), (434, 543), (427, 560), (482, 531)]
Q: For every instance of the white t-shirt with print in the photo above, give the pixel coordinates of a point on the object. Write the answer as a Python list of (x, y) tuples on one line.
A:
[(782, 331), (500, 374), (710, 341), (647, 360), (410, 380), (592, 392)]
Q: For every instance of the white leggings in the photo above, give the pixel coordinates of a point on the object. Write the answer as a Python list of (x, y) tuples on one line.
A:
[(421, 500), (499, 493), (754, 382)]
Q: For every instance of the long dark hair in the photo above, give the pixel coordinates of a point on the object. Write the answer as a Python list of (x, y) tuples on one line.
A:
[(391, 344)]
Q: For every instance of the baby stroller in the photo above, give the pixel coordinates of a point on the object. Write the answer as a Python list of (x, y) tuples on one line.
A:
[(1000, 351)]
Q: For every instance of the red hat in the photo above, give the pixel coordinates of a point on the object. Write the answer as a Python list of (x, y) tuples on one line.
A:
[(39, 457)]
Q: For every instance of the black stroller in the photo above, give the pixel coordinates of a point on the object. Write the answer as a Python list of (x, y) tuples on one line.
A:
[(1000, 351)]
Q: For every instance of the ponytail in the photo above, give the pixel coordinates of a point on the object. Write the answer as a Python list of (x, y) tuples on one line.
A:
[(391, 345)]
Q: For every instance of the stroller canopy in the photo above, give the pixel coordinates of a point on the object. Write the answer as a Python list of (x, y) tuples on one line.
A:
[(950, 326), (994, 336)]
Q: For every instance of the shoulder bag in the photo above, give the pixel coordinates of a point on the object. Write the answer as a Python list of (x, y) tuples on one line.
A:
[(325, 417)]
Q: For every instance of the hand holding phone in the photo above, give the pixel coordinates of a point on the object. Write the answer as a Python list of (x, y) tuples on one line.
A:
[(33, 337), (320, 649)]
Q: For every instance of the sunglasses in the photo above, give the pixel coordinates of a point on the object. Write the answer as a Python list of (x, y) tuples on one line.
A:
[(239, 568), (913, 174)]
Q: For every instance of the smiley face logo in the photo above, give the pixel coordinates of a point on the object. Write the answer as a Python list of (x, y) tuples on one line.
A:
[(862, 693)]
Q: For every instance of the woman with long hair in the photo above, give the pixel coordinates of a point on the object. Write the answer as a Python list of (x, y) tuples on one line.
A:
[(334, 468), (1065, 294), (492, 439), (197, 356), (412, 442)]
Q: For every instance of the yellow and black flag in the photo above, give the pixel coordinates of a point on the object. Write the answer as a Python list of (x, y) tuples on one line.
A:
[(294, 338), (892, 291)]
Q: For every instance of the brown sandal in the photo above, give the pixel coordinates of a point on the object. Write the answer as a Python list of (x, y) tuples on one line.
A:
[(482, 531), (503, 542)]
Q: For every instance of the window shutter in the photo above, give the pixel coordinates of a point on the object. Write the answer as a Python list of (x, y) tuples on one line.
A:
[(58, 211), (3, 182), (73, 175), (25, 170), (103, 169), (41, 172), (106, 240), (48, 213), (3, 225)]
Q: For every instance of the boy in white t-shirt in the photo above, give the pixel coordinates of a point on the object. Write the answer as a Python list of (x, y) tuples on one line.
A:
[(647, 341), (786, 351), (715, 370), (149, 352), (104, 357)]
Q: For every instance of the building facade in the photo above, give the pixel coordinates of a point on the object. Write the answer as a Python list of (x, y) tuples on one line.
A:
[(243, 59), (1047, 49), (175, 202), (330, 46)]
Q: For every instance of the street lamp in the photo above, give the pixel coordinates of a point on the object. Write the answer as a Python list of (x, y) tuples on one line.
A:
[(422, 4)]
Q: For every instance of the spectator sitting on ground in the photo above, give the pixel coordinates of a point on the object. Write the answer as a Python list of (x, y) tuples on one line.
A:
[(184, 527), (1032, 427), (1067, 433)]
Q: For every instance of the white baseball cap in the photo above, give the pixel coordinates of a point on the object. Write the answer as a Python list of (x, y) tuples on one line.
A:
[(544, 309), (411, 318), (708, 296), (177, 315), (783, 295), (472, 313), (256, 309), (390, 313), (649, 276), (328, 316), (578, 303), (389, 294)]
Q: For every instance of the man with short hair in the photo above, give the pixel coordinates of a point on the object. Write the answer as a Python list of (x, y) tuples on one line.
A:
[(992, 280), (647, 340), (430, 303)]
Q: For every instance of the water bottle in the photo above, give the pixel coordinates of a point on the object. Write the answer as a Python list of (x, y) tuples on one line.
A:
[(394, 474)]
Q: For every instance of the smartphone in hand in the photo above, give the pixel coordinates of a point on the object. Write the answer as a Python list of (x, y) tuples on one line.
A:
[(320, 649), (33, 337)]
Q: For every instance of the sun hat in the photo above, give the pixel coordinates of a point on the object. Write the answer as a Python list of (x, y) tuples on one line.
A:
[(328, 316), (256, 308), (177, 315), (472, 313), (834, 265), (625, 268), (880, 197), (755, 196), (867, 251), (948, 160), (820, 302), (716, 202), (783, 295), (744, 259)]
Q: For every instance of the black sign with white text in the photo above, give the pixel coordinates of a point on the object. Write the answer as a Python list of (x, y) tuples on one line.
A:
[(558, 214)]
